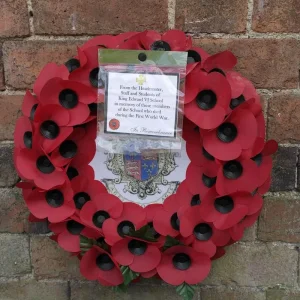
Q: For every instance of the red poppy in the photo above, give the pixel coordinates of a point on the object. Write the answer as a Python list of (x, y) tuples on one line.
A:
[(151, 211), (264, 188), (181, 264), (237, 231), (56, 204), (238, 132), (138, 255), (49, 127), (199, 156), (89, 68), (196, 56), (74, 169), (99, 265), (86, 190), (77, 148), (68, 233), (237, 85), (219, 253), (171, 40), (220, 62), (166, 221), (33, 219), (107, 41), (95, 212), (72, 96), (133, 217), (237, 175), (226, 211), (27, 188), (205, 237), (23, 133), (149, 274), (29, 105), (200, 180), (207, 99), (34, 164), (50, 71), (190, 132)]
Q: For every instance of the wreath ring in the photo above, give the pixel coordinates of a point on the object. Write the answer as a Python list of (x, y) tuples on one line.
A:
[(118, 242)]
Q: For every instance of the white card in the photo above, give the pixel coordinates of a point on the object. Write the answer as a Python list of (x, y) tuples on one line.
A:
[(142, 104)]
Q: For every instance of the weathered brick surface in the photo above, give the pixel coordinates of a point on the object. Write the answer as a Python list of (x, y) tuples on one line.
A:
[(284, 169), (256, 264), (37, 227), (9, 113), (2, 84), (33, 290), (276, 16), (280, 220), (216, 16), (284, 117), (280, 294), (23, 60), (250, 234), (13, 211), (268, 63), (8, 175), (215, 293), (83, 291), (98, 16), (14, 19), (14, 255), (50, 261)]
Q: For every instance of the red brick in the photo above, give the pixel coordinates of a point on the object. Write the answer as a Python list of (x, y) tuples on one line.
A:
[(211, 16), (276, 16), (232, 294), (50, 261), (255, 264), (284, 117), (9, 113), (23, 60), (280, 220), (8, 174), (14, 20), (98, 16), (2, 84), (268, 63), (13, 211)]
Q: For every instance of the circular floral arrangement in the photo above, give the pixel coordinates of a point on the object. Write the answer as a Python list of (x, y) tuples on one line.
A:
[(118, 242)]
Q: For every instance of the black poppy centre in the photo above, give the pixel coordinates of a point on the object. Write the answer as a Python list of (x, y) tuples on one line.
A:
[(233, 169), (209, 181), (160, 46), (137, 247), (193, 57), (258, 159), (72, 64), (154, 233), (104, 262), (68, 149), (175, 223), (206, 100), (55, 198), (80, 199), (44, 165), (27, 139), (235, 102), (94, 78), (72, 173), (125, 228), (68, 98), (207, 155), (49, 130), (182, 261), (99, 217), (74, 227), (227, 132), (224, 205), (195, 200), (33, 110), (203, 232)]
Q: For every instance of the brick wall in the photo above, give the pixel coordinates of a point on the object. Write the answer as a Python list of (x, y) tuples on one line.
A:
[(265, 36)]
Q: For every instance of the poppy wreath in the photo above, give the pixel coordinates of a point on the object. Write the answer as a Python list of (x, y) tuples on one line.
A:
[(120, 242)]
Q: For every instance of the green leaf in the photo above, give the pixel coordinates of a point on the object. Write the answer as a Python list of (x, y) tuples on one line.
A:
[(128, 274), (170, 242), (144, 233), (186, 291), (121, 288)]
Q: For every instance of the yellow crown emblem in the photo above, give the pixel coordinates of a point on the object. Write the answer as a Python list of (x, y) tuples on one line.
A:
[(141, 79)]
